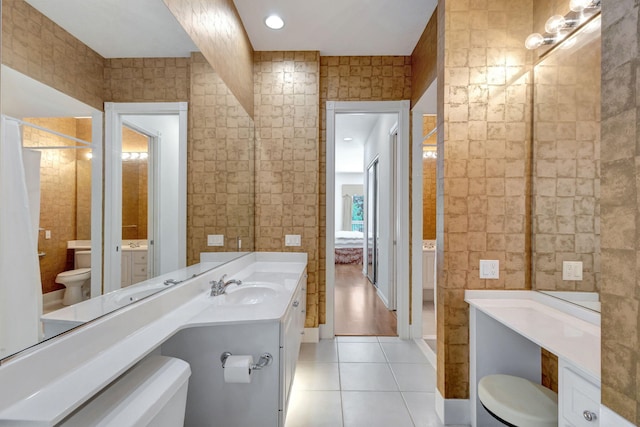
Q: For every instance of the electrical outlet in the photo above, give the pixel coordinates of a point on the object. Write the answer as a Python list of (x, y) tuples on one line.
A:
[(292, 240), (215, 240), (572, 270), (489, 269)]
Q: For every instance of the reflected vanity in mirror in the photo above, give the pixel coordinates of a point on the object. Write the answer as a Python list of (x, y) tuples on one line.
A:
[(219, 164), (566, 169)]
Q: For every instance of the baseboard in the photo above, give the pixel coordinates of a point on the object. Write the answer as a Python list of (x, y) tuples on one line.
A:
[(383, 298), (453, 411), (51, 298), (326, 332), (427, 351), (311, 335)]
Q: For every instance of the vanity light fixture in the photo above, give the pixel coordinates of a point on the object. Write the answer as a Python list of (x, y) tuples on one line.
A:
[(134, 156), (430, 155), (557, 26), (274, 22)]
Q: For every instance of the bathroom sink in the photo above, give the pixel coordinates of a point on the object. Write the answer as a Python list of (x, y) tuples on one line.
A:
[(127, 296), (251, 293)]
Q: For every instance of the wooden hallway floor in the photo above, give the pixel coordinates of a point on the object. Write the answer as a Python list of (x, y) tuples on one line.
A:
[(358, 308)]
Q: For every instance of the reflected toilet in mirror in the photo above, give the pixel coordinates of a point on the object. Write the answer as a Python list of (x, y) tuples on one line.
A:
[(76, 280)]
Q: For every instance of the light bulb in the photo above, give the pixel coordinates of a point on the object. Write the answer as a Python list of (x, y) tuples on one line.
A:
[(274, 22), (143, 156), (534, 41), (134, 156), (89, 156), (554, 24), (579, 5), (125, 156)]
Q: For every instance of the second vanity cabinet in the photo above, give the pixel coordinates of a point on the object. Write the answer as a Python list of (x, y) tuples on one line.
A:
[(578, 397), (134, 266)]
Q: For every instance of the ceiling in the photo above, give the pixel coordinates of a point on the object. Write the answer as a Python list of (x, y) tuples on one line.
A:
[(350, 154), (146, 28)]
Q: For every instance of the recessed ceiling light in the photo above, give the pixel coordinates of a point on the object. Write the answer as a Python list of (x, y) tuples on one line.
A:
[(274, 22), (348, 139)]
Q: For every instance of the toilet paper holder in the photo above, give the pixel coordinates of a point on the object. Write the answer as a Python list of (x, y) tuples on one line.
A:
[(265, 360)]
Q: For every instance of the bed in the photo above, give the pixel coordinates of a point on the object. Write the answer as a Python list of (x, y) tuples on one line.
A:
[(348, 247)]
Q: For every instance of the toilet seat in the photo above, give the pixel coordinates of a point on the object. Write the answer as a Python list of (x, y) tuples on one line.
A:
[(72, 273)]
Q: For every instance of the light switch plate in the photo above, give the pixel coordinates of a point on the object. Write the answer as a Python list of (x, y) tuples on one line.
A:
[(572, 270), (47, 234), (489, 269), (215, 240), (292, 240)]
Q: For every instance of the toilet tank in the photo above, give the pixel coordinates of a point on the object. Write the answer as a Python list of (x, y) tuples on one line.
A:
[(151, 394), (83, 259)]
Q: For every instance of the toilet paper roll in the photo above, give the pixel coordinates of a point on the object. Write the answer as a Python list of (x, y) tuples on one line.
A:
[(237, 369)]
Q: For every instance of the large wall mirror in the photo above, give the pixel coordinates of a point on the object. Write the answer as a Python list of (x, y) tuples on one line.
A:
[(218, 161), (566, 169)]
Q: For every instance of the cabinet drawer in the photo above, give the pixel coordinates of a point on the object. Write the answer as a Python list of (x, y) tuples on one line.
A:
[(140, 257), (580, 399), (139, 270)]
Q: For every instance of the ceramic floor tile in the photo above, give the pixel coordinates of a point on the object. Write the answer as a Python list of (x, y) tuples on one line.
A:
[(403, 352), (317, 376), (323, 351), (414, 377), (422, 409), (367, 377), (314, 409), (360, 352), (374, 409), (356, 339), (389, 339)]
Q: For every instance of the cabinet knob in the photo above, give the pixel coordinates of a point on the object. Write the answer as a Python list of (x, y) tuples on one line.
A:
[(296, 303), (589, 416)]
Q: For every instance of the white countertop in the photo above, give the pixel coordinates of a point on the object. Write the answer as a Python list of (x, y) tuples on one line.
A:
[(87, 359), (568, 331)]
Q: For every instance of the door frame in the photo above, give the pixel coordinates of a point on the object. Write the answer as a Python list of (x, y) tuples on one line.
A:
[(401, 108), (114, 120)]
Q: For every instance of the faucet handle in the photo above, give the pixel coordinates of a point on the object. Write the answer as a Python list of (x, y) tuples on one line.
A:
[(222, 278)]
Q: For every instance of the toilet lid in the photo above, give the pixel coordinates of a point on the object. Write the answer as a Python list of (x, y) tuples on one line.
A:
[(74, 272)]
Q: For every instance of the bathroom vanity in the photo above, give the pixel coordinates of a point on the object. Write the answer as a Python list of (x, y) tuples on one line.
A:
[(508, 330), (265, 314)]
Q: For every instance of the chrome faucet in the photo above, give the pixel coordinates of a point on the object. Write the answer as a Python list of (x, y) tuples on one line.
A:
[(219, 287)]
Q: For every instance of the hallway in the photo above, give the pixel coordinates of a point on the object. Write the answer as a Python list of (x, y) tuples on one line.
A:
[(358, 309)]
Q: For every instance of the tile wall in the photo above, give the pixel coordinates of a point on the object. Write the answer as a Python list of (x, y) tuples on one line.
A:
[(57, 196), (217, 30), (483, 154), (566, 166), (220, 165), (83, 182), (33, 45), (146, 79), (423, 60), (134, 187), (620, 206), (429, 183), (287, 160), (354, 78)]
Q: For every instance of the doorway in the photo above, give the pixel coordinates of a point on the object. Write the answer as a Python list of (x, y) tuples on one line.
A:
[(382, 176), (151, 241)]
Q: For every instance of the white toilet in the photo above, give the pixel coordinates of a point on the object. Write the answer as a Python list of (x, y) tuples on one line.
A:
[(74, 279)]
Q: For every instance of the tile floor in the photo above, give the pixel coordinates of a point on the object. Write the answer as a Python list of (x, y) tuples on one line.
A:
[(363, 382)]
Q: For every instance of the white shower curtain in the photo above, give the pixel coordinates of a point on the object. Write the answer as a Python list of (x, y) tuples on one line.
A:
[(20, 287), (346, 212)]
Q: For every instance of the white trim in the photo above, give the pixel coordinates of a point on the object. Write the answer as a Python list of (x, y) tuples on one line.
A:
[(416, 214), (382, 296), (402, 109), (427, 351), (326, 333), (97, 187), (311, 335), (609, 418), (452, 411), (113, 181)]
